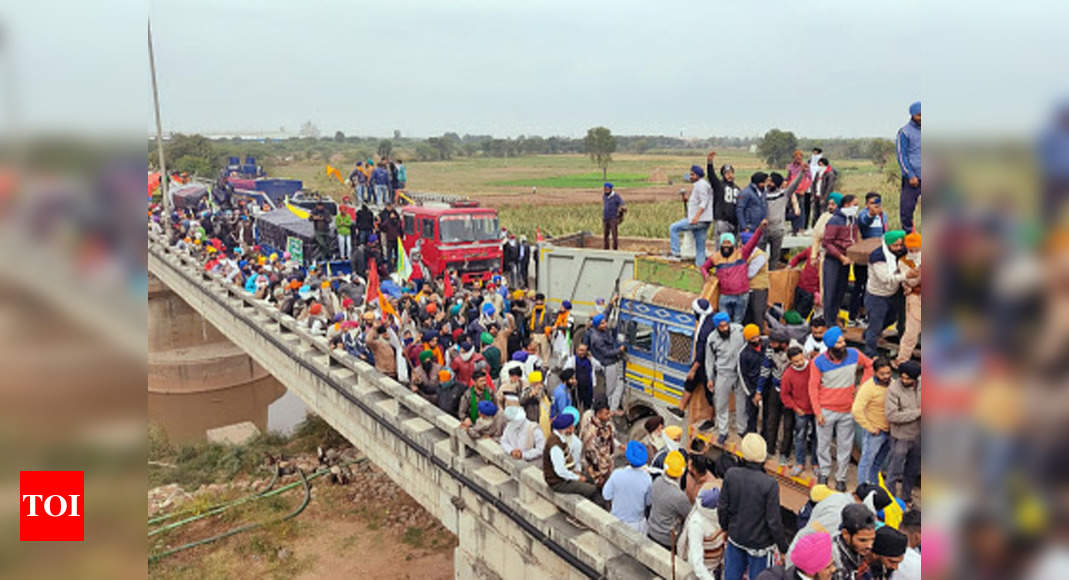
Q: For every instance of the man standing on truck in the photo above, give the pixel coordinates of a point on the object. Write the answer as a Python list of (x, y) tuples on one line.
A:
[(321, 219), (908, 148), (390, 227), (605, 347), (699, 216), (722, 366), (612, 212), (380, 183), (725, 194)]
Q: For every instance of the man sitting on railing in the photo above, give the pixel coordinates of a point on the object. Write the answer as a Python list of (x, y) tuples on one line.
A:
[(561, 457), (522, 438)]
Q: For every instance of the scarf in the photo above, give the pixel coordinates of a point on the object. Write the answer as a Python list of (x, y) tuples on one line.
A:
[(697, 332), (538, 318), (465, 355), (473, 412)]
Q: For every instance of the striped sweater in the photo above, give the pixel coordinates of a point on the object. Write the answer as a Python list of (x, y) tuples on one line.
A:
[(832, 383)]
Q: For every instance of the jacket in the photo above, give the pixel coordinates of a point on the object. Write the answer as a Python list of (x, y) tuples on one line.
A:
[(825, 181), (365, 220), (794, 389), (908, 150), (868, 407), (722, 354), (885, 278), (752, 368), (342, 223), (390, 224), (751, 208), (871, 226), (603, 345), (611, 205), (669, 507), (809, 280), (385, 358), (903, 409), (832, 384), (731, 275), (840, 233), (757, 270), (725, 196), (749, 508)]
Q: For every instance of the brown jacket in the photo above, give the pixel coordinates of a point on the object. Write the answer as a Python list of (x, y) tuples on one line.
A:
[(385, 358), (903, 408)]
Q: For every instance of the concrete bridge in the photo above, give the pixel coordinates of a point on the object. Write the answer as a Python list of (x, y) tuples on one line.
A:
[(508, 523)]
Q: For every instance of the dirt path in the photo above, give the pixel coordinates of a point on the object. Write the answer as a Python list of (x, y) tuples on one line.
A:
[(576, 196)]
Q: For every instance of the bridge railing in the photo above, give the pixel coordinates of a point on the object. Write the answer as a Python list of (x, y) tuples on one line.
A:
[(619, 539)]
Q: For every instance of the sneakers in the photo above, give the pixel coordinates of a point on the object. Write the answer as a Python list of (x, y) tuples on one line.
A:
[(676, 411), (721, 440), (796, 470), (706, 425)]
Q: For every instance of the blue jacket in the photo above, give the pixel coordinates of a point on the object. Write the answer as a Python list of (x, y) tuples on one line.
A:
[(610, 206), (908, 147), (380, 176), (868, 229), (561, 400), (751, 208)]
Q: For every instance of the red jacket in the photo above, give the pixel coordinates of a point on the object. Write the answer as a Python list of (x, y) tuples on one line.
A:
[(794, 389), (840, 234), (810, 278), (730, 272), (464, 369)]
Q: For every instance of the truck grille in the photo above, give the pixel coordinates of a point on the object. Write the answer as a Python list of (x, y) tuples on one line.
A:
[(482, 265)]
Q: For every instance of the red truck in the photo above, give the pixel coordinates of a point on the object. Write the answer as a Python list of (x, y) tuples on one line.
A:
[(459, 236)]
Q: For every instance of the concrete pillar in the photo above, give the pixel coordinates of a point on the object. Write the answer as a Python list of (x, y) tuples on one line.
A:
[(197, 379)]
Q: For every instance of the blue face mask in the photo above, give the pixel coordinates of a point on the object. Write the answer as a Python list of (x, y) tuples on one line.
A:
[(408, 341)]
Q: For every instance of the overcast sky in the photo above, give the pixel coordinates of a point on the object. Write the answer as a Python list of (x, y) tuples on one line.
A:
[(699, 68)]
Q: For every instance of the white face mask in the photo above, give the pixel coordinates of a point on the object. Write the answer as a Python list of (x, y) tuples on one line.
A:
[(514, 414), (850, 211), (671, 444)]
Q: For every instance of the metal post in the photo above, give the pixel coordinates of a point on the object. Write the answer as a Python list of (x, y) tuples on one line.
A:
[(164, 178)]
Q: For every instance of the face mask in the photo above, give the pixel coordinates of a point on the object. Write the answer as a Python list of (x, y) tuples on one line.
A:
[(671, 444), (726, 251), (408, 341), (514, 414), (850, 211)]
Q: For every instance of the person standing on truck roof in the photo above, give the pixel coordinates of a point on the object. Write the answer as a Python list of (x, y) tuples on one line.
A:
[(390, 227), (606, 348), (321, 219), (380, 183), (612, 213), (840, 233), (358, 178), (779, 199), (752, 207), (730, 268), (699, 216), (343, 225), (832, 382), (402, 175), (722, 366), (365, 223), (725, 195), (523, 262)]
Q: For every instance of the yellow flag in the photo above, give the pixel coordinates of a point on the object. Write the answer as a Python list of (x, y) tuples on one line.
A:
[(337, 174), (301, 213)]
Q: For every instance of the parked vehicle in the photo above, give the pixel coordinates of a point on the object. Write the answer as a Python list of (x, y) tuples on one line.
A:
[(459, 236)]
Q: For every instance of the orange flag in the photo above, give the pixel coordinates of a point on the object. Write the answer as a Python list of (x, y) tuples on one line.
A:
[(538, 234), (448, 290), (385, 306), (372, 282)]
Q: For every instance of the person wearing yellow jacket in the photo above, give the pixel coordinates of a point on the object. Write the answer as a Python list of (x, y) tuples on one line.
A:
[(869, 413)]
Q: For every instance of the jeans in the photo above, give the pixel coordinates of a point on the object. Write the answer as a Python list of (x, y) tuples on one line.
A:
[(805, 428), (874, 449), (362, 193), (836, 277), (737, 561), (699, 230), (323, 246), (723, 386), (361, 237), (734, 305), (908, 203), (905, 466), (881, 315), (343, 246), (775, 245), (381, 193), (840, 427)]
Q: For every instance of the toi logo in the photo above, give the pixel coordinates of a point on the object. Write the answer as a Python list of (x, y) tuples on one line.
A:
[(51, 506)]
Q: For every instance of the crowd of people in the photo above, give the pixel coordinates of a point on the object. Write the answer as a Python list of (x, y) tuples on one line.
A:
[(550, 389)]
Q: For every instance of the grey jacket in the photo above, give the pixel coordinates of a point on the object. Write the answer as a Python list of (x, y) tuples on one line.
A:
[(903, 407), (669, 507), (722, 354)]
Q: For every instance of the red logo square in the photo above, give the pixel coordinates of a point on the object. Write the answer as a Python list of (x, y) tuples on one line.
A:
[(51, 506)]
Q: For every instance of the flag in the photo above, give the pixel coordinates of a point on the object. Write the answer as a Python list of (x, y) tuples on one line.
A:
[(538, 234), (448, 290), (404, 266), (385, 306), (337, 174), (372, 282), (301, 213)]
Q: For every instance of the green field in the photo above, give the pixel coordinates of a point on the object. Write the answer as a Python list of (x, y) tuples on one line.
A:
[(569, 186)]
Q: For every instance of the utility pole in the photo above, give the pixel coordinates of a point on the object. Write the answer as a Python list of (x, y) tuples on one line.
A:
[(164, 178)]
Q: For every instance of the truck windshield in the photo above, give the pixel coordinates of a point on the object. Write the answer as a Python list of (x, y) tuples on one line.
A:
[(468, 228)]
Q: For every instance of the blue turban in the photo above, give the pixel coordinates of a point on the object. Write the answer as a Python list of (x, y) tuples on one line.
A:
[(567, 305), (488, 309), (598, 319), (720, 317), (709, 498), (697, 170), (520, 355), (831, 336), (727, 237), (607, 184), (487, 408), (915, 109), (563, 421), (570, 410), (636, 454)]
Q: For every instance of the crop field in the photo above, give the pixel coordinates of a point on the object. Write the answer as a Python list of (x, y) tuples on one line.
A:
[(568, 187)]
